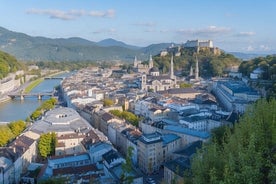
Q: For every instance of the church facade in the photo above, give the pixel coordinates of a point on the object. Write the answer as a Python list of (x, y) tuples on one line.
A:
[(153, 81)]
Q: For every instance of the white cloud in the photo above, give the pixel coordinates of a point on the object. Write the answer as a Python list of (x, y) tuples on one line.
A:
[(250, 33), (209, 31), (71, 14)]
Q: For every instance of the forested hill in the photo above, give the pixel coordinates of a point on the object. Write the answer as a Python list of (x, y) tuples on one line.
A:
[(210, 64), (267, 64), (8, 64), (30, 48)]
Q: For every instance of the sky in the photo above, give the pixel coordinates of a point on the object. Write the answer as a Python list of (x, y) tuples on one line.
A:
[(233, 25)]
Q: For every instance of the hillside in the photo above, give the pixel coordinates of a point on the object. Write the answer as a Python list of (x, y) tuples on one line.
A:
[(8, 64), (209, 64), (28, 48)]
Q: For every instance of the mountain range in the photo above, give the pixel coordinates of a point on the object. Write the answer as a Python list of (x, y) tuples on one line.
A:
[(29, 48)]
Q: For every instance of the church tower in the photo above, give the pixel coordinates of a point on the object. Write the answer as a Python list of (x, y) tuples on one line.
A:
[(196, 70), (135, 63), (144, 82), (172, 72), (150, 62), (191, 71)]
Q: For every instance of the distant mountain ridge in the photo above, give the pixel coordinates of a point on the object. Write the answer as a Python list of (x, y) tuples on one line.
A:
[(111, 42), (29, 48)]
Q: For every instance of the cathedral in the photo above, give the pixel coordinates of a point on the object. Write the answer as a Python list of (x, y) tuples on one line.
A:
[(142, 68), (153, 81)]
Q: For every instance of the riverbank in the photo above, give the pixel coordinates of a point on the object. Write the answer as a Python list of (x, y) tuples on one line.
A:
[(28, 86), (33, 84)]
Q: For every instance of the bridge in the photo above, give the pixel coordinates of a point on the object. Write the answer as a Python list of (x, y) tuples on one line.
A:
[(49, 78), (24, 95)]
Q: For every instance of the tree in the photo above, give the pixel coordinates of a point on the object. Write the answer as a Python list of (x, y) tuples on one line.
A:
[(128, 116), (47, 144), (246, 155), (127, 167), (185, 85), (107, 102), (5, 135), (17, 127)]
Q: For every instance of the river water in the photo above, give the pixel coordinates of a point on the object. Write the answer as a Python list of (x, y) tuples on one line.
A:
[(17, 109)]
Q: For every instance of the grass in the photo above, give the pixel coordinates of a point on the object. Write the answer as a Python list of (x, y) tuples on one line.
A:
[(33, 84)]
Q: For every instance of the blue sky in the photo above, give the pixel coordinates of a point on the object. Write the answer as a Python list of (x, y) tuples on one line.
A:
[(233, 25)]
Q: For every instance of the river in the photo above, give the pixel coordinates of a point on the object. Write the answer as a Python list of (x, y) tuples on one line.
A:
[(17, 109)]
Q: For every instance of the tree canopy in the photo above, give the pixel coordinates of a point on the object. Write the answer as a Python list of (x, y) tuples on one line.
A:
[(46, 105), (209, 63), (9, 64), (128, 116), (10, 131), (107, 102), (47, 144), (248, 155)]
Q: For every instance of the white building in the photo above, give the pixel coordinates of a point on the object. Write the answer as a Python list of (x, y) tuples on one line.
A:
[(199, 43)]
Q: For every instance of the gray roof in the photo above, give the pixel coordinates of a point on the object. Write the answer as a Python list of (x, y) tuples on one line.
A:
[(61, 120)]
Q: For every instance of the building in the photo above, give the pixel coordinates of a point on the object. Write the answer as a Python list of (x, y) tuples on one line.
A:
[(155, 82), (199, 43), (185, 93), (68, 144), (175, 170), (113, 163), (73, 166), (234, 95), (17, 157), (142, 68), (155, 149), (6, 170), (63, 121), (257, 73)]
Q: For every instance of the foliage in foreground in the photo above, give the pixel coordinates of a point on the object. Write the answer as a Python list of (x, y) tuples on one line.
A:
[(248, 155), (10, 131)]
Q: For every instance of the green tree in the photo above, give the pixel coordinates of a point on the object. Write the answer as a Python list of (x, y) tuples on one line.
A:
[(108, 102), (185, 85), (17, 127), (47, 144), (127, 167), (36, 114), (128, 116), (5, 135), (245, 156)]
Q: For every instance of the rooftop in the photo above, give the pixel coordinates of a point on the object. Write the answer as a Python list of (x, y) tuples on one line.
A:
[(178, 166), (190, 149), (178, 129), (61, 120), (168, 138)]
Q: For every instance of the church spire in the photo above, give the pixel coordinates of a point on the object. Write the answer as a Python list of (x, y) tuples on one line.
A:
[(172, 72), (196, 69), (150, 62)]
